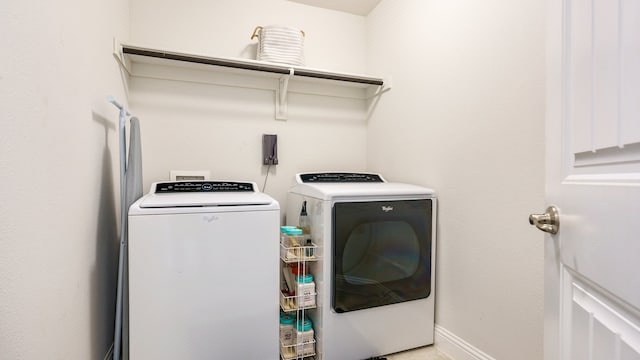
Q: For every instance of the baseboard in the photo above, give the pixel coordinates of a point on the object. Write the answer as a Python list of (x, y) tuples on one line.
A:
[(455, 347), (109, 354)]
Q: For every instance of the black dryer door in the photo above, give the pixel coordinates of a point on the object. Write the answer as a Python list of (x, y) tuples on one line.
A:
[(381, 253)]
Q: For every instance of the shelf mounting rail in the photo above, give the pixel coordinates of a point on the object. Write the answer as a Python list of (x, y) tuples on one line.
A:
[(251, 65)]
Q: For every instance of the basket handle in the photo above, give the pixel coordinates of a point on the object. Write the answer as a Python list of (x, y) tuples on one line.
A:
[(255, 32), (259, 28)]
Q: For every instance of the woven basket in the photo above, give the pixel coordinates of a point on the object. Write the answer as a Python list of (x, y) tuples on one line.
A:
[(280, 44)]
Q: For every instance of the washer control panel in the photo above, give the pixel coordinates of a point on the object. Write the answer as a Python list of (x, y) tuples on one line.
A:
[(336, 177), (203, 186)]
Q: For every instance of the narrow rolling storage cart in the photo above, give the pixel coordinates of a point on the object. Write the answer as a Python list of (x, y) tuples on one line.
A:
[(298, 262)]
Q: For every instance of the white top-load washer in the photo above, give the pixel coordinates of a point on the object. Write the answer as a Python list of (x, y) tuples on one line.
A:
[(375, 276), (203, 272)]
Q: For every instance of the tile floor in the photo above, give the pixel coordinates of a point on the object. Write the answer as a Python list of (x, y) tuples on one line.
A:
[(423, 353)]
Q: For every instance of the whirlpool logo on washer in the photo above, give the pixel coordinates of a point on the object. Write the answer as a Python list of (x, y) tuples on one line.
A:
[(387, 208), (210, 218)]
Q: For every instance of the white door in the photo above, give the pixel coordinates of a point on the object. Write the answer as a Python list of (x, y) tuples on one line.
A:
[(592, 265)]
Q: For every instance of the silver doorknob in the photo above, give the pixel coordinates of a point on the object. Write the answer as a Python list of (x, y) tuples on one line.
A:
[(547, 222)]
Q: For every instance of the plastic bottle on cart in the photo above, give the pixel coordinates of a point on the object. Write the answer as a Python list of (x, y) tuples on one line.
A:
[(286, 246), (284, 231), (287, 332), (305, 344), (308, 249), (303, 221), (305, 291), (295, 241), (305, 225)]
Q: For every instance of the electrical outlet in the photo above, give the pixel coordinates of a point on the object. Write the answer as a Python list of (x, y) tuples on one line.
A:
[(269, 149)]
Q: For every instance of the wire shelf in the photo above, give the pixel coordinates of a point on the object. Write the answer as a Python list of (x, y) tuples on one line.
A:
[(290, 303), (294, 254), (304, 350)]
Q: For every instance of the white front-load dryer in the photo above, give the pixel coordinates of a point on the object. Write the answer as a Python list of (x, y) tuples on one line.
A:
[(203, 272), (375, 276)]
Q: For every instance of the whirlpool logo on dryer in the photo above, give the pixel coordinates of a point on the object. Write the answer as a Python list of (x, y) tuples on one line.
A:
[(387, 208)]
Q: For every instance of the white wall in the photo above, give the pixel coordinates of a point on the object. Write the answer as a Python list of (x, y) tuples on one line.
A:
[(223, 28), (58, 176), (191, 126), (465, 116)]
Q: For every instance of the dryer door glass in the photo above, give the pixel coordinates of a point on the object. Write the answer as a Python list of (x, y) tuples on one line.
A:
[(381, 253)]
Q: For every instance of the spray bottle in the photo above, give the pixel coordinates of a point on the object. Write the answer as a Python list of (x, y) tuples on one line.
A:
[(303, 221)]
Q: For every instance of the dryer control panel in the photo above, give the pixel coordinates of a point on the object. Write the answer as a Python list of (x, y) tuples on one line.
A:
[(203, 186), (340, 177)]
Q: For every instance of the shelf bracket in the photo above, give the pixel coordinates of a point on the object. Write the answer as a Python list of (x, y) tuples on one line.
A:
[(119, 56), (282, 111)]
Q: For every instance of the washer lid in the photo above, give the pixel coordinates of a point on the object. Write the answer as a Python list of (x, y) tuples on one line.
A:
[(203, 193)]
